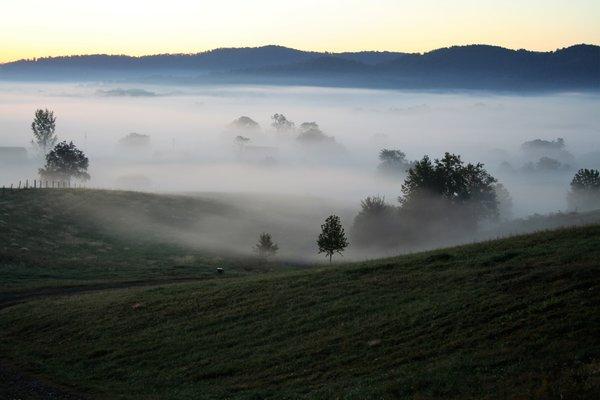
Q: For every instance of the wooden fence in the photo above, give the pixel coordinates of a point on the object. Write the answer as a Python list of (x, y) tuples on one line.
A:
[(43, 184)]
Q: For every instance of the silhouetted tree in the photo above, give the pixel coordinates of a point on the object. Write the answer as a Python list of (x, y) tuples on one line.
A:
[(332, 238), (281, 123), (585, 190), (376, 223), (448, 190), (43, 127), (65, 161), (393, 162), (265, 246)]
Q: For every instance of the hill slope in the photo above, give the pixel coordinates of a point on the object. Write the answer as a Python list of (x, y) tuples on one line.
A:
[(62, 238), (512, 318)]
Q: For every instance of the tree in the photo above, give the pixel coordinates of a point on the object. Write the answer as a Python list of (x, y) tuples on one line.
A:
[(549, 164), (556, 149), (265, 246), (135, 140), (449, 191), (393, 162), (585, 190), (43, 127), (311, 133), (64, 162), (241, 141), (376, 224), (244, 123), (281, 123), (505, 202), (541, 144), (332, 238)]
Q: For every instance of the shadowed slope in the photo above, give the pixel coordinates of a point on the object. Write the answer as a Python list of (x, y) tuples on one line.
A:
[(512, 318)]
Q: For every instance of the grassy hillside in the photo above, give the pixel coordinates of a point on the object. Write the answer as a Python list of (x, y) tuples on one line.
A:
[(57, 238), (514, 318)]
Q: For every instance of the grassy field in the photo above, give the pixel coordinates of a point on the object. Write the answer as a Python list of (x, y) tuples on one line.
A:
[(513, 318), (75, 238)]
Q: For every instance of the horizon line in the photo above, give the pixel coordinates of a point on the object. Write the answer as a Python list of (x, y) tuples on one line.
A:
[(290, 48)]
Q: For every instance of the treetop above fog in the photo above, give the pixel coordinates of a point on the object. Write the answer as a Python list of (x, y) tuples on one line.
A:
[(43, 128)]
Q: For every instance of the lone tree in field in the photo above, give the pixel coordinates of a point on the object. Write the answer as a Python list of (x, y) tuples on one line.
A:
[(585, 190), (332, 238), (43, 127), (265, 246), (64, 162)]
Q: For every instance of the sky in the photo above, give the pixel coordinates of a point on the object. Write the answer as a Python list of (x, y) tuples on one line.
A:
[(39, 28)]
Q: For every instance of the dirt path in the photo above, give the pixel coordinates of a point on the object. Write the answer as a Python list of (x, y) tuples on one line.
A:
[(12, 298)]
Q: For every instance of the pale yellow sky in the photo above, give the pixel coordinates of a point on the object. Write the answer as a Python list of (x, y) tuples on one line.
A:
[(34, 28)]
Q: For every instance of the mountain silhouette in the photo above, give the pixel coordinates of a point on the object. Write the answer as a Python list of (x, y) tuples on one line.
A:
[(468, 67)]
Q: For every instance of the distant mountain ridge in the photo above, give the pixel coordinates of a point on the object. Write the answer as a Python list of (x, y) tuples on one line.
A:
[(469, 67)]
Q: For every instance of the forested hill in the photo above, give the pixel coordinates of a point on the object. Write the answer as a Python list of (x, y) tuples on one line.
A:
[(473, 66)]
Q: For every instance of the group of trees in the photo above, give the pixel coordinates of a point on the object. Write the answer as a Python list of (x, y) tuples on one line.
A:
[(543, 156), (306, 132), (64, 161), (440, 198), (447, 198)]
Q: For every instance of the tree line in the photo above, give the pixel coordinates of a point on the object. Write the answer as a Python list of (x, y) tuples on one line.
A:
[(446, 198)]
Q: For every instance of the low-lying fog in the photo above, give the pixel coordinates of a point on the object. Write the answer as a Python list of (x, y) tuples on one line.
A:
[(192, 144)]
